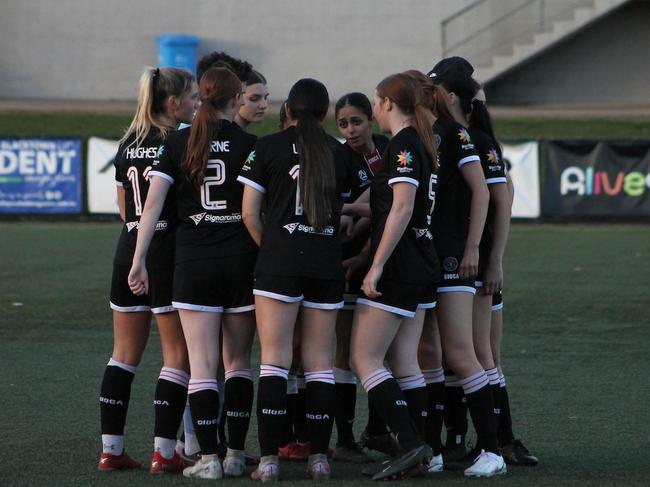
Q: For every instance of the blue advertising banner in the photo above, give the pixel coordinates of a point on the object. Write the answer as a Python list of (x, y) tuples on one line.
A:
[(40, 175)]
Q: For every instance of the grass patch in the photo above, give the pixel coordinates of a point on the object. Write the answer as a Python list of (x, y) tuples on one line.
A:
[(575, 353)]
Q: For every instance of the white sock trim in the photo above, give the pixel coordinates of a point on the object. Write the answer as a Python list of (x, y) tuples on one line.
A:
[(197, 385), (177, 376), (128, 368), (375, 378), (342, 376), (326, 376)]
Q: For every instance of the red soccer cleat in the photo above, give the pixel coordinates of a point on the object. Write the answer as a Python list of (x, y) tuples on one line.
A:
[(297, 452), (160, 464), (108, 462)]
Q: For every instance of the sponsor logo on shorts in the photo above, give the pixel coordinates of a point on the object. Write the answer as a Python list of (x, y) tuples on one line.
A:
[(450, 264), (404, 159), (197, 218)]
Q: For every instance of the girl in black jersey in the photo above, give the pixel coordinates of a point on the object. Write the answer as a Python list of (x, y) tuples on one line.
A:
[(353, 114), (461, 206), (403, 272), (166, 97), (255, 100), (214, 264), (302, 174)]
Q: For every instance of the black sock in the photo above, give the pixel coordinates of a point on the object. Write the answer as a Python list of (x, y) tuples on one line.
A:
[(204, 406), (346, 402), (391, 405), (415, 392), (287, 435), (169, 402), (271, 408), (299, 418), (455, 413), (320, 409), (114, 398), (238, 405), (435, 418), (481, 409), (505, 419), (376, 425)]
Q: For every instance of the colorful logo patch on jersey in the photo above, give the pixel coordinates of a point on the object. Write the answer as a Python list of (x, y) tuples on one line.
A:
[(404, 158), (161, 149), (450, 264), (131, 225), (197, 218), (250, 158), (464, 136), (493, 156), (291, 227)]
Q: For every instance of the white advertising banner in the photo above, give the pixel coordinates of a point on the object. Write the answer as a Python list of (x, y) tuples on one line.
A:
[(524, 161), (102, 196)]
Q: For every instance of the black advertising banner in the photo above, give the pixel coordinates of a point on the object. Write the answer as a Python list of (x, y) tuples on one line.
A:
[(588, 178)]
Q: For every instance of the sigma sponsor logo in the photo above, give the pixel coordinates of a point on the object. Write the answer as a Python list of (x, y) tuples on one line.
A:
[(292, 227), (450, 264), (317, 417), (161, 225), (238, 414), (158, 402), (142, 152), (197, 218), (274, 412), (422, 232), (400, 402), (587, 182), (131, 225), (207, 422), (234, 218), (112, 402)]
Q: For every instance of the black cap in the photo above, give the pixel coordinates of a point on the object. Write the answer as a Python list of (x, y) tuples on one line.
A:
[(451, 64)]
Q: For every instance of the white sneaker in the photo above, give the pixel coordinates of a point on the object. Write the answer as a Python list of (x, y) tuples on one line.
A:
[(205, 468), (318, 468), (234, 464), (268, 470), (436, 464), (487, 464)]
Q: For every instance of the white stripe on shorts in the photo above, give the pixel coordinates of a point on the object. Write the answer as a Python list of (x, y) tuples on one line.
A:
[(385, 307), (197, 307), (129, 309), (279, 297)]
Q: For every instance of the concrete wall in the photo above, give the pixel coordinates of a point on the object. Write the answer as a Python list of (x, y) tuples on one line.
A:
[(95, 49), (608, 62)]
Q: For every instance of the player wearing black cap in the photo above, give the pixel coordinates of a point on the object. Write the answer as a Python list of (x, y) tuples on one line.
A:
[(215, 257), (167, 97), (302, 174)]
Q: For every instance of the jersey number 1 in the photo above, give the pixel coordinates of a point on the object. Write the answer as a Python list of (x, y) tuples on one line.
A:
[(295, 175), (132, 174)]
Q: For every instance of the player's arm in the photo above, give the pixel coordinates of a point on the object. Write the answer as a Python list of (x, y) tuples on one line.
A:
[(138, 277), (252, 213), (360, 206), (473, 176), (500, 201), (396, 223), (121, 201)]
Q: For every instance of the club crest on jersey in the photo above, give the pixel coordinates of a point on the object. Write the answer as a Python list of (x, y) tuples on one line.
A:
[(197, 218), (450, 264), (291, 227), (131, 225), (404, 159)]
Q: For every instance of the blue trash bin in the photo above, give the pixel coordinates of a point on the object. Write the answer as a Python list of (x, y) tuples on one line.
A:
[(177, 51)]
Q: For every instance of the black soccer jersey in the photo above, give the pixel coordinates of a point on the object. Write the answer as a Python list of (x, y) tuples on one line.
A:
[(210, 219), (290, 245), (132, 166), (453, 196), (414, 258), (495, 173), (363, 167)]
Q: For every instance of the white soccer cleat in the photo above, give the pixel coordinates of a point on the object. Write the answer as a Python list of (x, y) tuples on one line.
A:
[(436, 464), (268, 470), (205, 469), (234, 465), (487, 464)]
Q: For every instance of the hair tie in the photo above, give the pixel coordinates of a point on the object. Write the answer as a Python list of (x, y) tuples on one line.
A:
[(156, 73)]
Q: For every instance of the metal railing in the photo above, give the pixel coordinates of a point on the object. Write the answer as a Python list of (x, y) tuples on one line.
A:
[(486, 28)]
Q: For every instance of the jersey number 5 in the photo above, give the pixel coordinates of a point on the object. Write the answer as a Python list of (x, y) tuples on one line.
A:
[(216, 169), (295, 175), (132, 174)]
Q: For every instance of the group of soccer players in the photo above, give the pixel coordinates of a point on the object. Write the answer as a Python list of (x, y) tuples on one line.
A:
[(394, 247)]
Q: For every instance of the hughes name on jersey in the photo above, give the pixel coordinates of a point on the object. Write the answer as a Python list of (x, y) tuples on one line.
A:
[(406, 161), (210, 220), (290, 245), (132, 167)]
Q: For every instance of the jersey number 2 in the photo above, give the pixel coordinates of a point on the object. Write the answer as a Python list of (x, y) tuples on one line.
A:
[(217, 170)]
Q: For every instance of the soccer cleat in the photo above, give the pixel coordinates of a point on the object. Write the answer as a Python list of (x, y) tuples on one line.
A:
[(234, 464), (191, 459), (400, 466), (318, 468), (295, 451), (108, 462), (160, 464), (351, 452), (268, 470), (487, 464), (383, 442), (205, 469), (436, 464), (515, 453)]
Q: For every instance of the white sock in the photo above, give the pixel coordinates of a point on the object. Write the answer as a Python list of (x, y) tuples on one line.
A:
[(165, 446), (113, 444)]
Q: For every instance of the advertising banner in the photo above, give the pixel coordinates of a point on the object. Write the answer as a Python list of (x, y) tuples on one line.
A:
[(589, 178), (40, 175), (524, 172), (102, 196)]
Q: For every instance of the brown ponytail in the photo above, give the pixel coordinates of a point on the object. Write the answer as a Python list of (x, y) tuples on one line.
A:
[(218, 86)]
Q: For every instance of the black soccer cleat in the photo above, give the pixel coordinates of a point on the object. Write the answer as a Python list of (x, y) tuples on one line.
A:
[(405, 463), (515, 453)]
